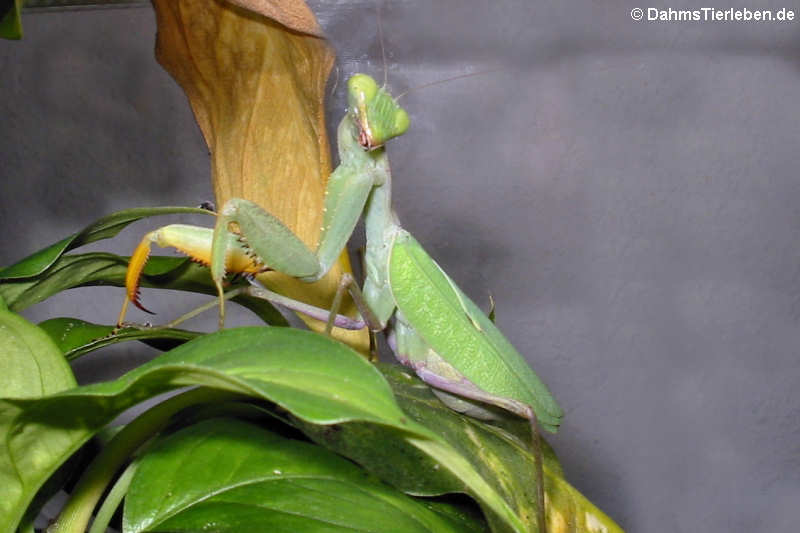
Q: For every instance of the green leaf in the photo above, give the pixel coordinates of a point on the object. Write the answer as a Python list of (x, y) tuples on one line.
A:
[(11, 21), (50, 271), (104, 228), (66, 476), (99, 268), (31, 365), (75, 337), (502, 455), (71, 333), (269, 483), (461, 510), (315, 378)]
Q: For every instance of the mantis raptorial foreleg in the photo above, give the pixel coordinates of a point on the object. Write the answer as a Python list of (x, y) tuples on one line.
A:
[(263, 241), (438, 331)]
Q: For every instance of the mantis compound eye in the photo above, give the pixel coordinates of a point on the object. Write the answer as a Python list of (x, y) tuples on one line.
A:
[(401, 122), (361, 88)]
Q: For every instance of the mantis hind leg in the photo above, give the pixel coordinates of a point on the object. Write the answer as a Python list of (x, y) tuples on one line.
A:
[(348, 283), (332, 317), (536, 442), (369, 318), (340, 321), (183, 318)]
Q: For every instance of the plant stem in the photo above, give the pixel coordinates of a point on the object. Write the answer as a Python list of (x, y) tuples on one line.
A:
[(112, 501), (78, 510)]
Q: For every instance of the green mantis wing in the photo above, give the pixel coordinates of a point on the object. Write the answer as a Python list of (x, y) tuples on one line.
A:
[(456, 329)]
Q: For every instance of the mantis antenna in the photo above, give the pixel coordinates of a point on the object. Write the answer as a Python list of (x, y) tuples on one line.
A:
[(378, 10), (446, 80), (383, 48)]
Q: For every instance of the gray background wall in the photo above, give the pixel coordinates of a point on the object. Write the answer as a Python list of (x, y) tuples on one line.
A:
[(627, 191)]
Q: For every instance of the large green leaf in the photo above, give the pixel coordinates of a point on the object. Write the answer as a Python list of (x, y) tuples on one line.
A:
[(68, 271), (99, 268), (103, 228), (32, 366), (501, 453), (30, 363), (241, 477), (315, 378), (76, 337)]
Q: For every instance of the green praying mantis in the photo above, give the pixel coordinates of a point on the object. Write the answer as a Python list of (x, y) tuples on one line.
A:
[(437, 330)]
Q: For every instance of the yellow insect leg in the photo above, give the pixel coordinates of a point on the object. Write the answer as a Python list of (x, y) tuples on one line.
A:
[(193, 241)]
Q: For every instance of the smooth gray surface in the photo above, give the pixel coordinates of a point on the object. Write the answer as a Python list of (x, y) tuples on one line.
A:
[(627, 191)]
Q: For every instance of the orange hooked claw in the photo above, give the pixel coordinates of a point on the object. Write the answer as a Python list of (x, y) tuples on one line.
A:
[(193, 241)]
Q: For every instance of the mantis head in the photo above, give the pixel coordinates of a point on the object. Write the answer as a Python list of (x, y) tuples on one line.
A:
[(376, 113)]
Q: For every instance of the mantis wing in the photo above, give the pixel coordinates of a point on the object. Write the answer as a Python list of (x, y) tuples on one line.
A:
[(456, 329)]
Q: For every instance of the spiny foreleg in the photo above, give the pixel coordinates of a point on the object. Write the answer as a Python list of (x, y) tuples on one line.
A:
[(195, 242)]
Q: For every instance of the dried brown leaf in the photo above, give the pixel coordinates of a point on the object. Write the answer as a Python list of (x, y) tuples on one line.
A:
[(255, 76)]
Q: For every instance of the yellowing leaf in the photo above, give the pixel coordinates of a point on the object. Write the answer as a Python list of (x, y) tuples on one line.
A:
[(256, 83)]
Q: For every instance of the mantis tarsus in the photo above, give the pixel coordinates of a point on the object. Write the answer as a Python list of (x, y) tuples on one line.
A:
[(438, 331)]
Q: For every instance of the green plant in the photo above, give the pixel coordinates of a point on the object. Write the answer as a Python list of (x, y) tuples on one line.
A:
[(270, 391)]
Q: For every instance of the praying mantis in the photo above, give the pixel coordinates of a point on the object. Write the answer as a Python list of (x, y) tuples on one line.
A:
[(437, 330)]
